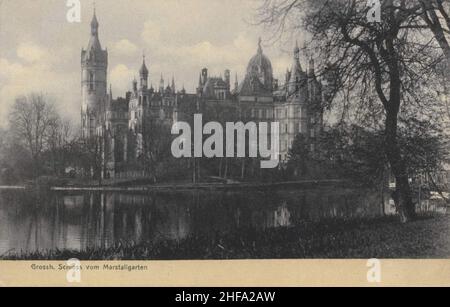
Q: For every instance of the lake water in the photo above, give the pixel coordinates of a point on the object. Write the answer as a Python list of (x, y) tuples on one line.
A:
[(29, 222)]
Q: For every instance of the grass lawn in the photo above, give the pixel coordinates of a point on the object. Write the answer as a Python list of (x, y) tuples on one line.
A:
[(428, 237)]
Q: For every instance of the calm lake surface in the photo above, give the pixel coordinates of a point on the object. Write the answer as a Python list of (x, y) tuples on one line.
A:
[(77, 221)]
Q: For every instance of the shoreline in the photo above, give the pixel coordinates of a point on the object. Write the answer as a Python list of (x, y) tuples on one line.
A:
[(205, 186), (5, 187), (383, 237)]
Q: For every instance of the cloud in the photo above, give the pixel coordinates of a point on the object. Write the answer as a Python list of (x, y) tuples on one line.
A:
[(179, 38), (30, 52), (125, 47), (151, 32), (34, 72), (120, 78)]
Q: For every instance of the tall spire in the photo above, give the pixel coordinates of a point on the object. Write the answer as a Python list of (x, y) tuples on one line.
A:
[(94, 42), (296, 51), (144, 70), (311, 70), (173, 84), (161, 84), (94, 23), (296, 67)]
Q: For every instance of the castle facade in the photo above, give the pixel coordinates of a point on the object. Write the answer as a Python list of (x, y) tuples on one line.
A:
[(122, 124)]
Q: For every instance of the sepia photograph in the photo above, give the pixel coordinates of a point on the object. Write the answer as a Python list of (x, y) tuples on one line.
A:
[(135, 130)]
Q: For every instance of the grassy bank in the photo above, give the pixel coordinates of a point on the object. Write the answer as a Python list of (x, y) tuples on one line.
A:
[(429, 237)]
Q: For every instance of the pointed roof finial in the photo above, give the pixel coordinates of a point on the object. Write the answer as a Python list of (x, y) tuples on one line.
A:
[(260, 45), (94, 17), (94, 24)]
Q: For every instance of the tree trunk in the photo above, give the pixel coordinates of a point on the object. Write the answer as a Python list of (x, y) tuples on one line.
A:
[(226, 169), (194, 172), (402, 195)]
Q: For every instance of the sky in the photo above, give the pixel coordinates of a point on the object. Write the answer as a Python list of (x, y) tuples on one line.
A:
[(40, 50)]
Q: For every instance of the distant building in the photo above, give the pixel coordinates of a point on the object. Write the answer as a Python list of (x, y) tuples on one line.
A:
[(119, 124)]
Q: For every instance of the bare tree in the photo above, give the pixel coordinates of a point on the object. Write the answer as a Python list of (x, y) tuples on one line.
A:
[(92, 157), (30, 121), (379, 69), (59, 140), (436, 15), (156, 145)]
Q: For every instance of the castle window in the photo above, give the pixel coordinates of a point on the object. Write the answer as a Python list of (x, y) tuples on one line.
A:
[(291, 128), (279, 113), (91, 81)]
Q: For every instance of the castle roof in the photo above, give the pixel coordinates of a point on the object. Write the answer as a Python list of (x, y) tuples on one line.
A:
[(252, 86), (212, 84), (261, 65), (94, 49)]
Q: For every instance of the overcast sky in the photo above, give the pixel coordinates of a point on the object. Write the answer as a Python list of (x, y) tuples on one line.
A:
[(40, 49)]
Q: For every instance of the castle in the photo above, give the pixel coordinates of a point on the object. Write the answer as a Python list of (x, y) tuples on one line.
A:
[(120, 124)]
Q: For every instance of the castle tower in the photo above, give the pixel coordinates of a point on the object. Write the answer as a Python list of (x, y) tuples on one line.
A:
[(94, 66)]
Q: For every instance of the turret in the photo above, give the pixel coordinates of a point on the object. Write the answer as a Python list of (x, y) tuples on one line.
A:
[(297, 75), (135, 85), (161, 85), (311, 70), (204, 76), (143, 72), (173, 85), (227, 80)]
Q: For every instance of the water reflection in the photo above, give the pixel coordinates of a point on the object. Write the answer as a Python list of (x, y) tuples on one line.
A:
[(30, 222)]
